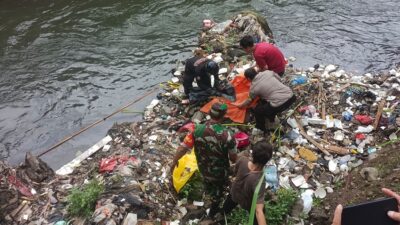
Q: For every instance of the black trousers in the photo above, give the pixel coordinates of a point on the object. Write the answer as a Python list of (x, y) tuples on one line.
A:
[(264, 110), (229, 205)]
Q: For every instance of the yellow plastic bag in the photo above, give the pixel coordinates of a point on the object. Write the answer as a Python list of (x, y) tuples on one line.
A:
[(182, 173)]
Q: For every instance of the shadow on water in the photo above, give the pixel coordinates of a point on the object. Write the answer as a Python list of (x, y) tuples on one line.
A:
[(65, 64)]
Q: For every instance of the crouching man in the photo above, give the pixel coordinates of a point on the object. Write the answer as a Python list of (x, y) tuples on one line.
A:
[(248, 173), (275, 97)]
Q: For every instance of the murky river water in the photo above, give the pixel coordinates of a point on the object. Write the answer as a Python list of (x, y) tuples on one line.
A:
[(65, 64)]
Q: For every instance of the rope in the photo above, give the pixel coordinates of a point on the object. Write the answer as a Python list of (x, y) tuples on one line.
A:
[(97, 122)]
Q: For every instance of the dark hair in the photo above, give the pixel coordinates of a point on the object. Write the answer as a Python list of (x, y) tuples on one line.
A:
[(247, 41), (262, 152), (212, 67), (250, 73), (218, 111)]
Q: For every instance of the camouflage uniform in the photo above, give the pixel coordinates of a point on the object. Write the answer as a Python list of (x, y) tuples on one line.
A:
[(212, 142)]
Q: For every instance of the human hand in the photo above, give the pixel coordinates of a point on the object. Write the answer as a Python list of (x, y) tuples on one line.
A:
[(393, 215), (337, 218)]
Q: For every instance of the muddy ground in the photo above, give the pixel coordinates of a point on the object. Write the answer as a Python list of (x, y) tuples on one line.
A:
[(355, 189)]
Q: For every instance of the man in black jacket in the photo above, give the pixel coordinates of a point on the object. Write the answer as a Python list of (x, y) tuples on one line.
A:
[(201, 69)]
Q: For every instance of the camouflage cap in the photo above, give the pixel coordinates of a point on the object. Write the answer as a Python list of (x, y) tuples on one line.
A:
[(218, 110)]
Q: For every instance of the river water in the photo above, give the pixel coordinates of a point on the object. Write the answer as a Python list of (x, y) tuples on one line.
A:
[(65, 64)]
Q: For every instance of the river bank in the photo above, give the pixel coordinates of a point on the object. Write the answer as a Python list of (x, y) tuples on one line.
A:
[(340, 121)]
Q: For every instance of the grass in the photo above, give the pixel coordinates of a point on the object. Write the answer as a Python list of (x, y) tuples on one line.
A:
[(82, 202)]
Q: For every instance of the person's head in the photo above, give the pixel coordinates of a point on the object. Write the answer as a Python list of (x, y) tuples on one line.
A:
[(247, 43), (261, 152), (212, 67), (250, 73), (218, 111)]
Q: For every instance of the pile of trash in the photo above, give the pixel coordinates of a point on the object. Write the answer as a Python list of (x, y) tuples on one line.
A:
[(339, 121)]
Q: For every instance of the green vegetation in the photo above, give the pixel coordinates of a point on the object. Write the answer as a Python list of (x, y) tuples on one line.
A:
[(193, 189), (276, 210), (81, 202), (238, 216)]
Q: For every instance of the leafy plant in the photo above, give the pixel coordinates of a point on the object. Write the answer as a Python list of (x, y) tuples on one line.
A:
[(193, 189), (279, 208), (81, 202), (238, 216)]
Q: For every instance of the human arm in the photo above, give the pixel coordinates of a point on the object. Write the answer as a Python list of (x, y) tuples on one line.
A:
[(244, 104), (232, 157), (260, 214), (188, 79), (184, 148), (181, 151)]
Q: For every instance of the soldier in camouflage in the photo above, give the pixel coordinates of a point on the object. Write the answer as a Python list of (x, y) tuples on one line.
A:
[(214, 146)]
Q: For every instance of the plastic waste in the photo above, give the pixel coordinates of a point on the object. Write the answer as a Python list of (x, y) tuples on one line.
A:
[(393, 136), (362, 129), (333, 167), (62, 222), (187, 165), (338, 135), (271, 176), (292, 135), (307, 200), (308, 110), (242, 140), (299, 80), (292, 122), (307, 154), (364, 119), (347, 116), (320, 192), (299, 180)]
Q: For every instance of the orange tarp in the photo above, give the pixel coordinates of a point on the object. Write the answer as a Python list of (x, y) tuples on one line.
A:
[(242, 88)]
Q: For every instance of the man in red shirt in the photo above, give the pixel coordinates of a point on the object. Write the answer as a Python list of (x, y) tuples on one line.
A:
[(267, 56)]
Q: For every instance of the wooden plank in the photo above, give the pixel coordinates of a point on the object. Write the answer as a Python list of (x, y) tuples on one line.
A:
[(310, 139), (343, 87), (379, 113), (336, 149)]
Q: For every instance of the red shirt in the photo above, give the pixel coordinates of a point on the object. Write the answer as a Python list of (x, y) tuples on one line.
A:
[(267, 54)]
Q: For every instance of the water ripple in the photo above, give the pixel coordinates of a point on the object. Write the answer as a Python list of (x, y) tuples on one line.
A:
[(67, 64)]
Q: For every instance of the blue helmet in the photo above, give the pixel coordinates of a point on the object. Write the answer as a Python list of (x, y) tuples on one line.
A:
[(212, 67)]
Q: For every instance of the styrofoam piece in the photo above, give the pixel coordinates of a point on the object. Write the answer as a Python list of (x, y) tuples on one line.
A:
[(69, 167), (245, 67), (175, 79), (223, 70), (299, 180), (329, 122), (292, 122), (218, 59), (177, 73), (320, 192), (338, 124), (106, 148), (196, 203), (153, 103), (330, 68)]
